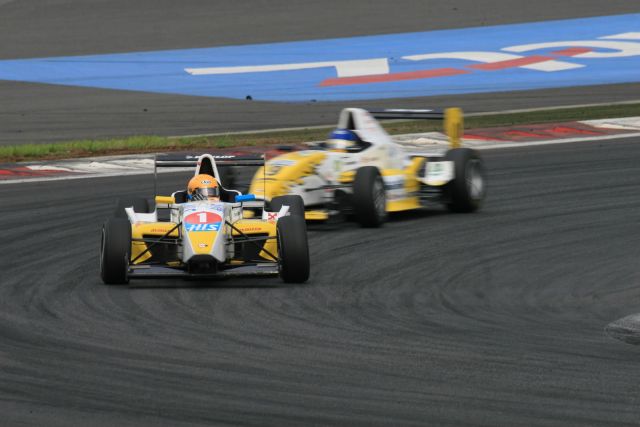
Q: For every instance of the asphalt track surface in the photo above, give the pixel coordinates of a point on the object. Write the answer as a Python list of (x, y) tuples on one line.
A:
[(37, 28), (493, 318)]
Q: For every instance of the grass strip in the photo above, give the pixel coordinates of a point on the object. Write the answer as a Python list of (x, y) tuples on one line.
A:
[(147, 144)]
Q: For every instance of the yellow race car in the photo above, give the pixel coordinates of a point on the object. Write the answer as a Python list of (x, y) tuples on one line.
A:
[(360, 171), (204, 232)]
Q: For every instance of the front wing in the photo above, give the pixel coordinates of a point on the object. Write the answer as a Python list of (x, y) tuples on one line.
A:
[(159, 272)]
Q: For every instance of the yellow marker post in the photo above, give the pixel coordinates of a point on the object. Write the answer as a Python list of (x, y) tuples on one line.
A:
[(454, 126)]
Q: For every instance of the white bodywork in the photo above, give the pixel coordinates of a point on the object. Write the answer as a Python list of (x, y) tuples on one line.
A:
[(383, 153), (218, 232)]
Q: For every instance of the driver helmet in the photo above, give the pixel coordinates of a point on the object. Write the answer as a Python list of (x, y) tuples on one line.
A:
[(203, 187), (342, 140)]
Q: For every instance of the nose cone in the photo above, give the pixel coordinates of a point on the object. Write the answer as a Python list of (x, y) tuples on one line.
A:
[(285, 171), (202, 242), (268, 188), (201, 231)]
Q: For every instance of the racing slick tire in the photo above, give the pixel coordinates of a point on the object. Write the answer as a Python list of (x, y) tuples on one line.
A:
[(466, 192), (295, 203), (369, 198), (293, 249), (140, 205), (115, 251)]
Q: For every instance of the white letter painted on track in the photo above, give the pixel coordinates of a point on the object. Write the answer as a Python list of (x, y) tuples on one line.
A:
[(623, 36), (618, 48), (353, 68)]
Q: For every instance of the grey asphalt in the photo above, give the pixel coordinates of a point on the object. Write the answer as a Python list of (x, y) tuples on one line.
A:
[(493, 318), (42, 113)]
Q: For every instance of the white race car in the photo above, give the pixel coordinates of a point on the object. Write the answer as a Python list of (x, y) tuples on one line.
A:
[(204, 238), (361, 171)]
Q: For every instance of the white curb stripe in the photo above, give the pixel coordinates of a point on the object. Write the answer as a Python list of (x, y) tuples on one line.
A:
[(489, 146)]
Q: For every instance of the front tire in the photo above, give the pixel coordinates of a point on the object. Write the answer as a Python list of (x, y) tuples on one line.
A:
[(369, 197), (115, 251), (293, 249), (467, 191)]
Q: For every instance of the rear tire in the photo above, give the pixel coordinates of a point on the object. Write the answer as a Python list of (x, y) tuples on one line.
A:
[(369, 197), (467, 191), (293, 249), (115, 251), (140, 205), (295, 203)]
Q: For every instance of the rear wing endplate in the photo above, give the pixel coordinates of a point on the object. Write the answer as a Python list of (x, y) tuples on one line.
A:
[(406, 114)]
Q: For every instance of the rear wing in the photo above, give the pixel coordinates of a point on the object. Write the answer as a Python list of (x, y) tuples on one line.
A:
[(453, 120), (402, 114), (203, 163), (171, 160)]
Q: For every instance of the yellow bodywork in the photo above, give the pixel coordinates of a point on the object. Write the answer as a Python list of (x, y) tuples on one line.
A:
[(257, 226), (155, 229), (347, 177), (316, 215), (201, 241), (165, 200), (291, 168), (280, 174), (454, 126), (411, 186)]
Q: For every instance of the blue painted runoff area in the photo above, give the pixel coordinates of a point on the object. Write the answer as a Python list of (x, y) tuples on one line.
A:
[(550, 54)]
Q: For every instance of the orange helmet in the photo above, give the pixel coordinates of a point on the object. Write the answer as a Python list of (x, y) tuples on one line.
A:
[(203, 187)]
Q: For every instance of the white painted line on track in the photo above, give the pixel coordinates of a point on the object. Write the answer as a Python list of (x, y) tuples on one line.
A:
[(88, 176), (557, 141)]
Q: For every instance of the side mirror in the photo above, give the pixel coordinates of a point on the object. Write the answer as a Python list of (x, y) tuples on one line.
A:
[(245, 197), (165, 200)]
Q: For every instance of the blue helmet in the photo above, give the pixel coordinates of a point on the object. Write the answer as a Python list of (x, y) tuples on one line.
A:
[(345, 134), (342, 139)]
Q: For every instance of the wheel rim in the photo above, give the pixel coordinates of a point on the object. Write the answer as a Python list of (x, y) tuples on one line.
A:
[(379, 199), (475, 180)]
